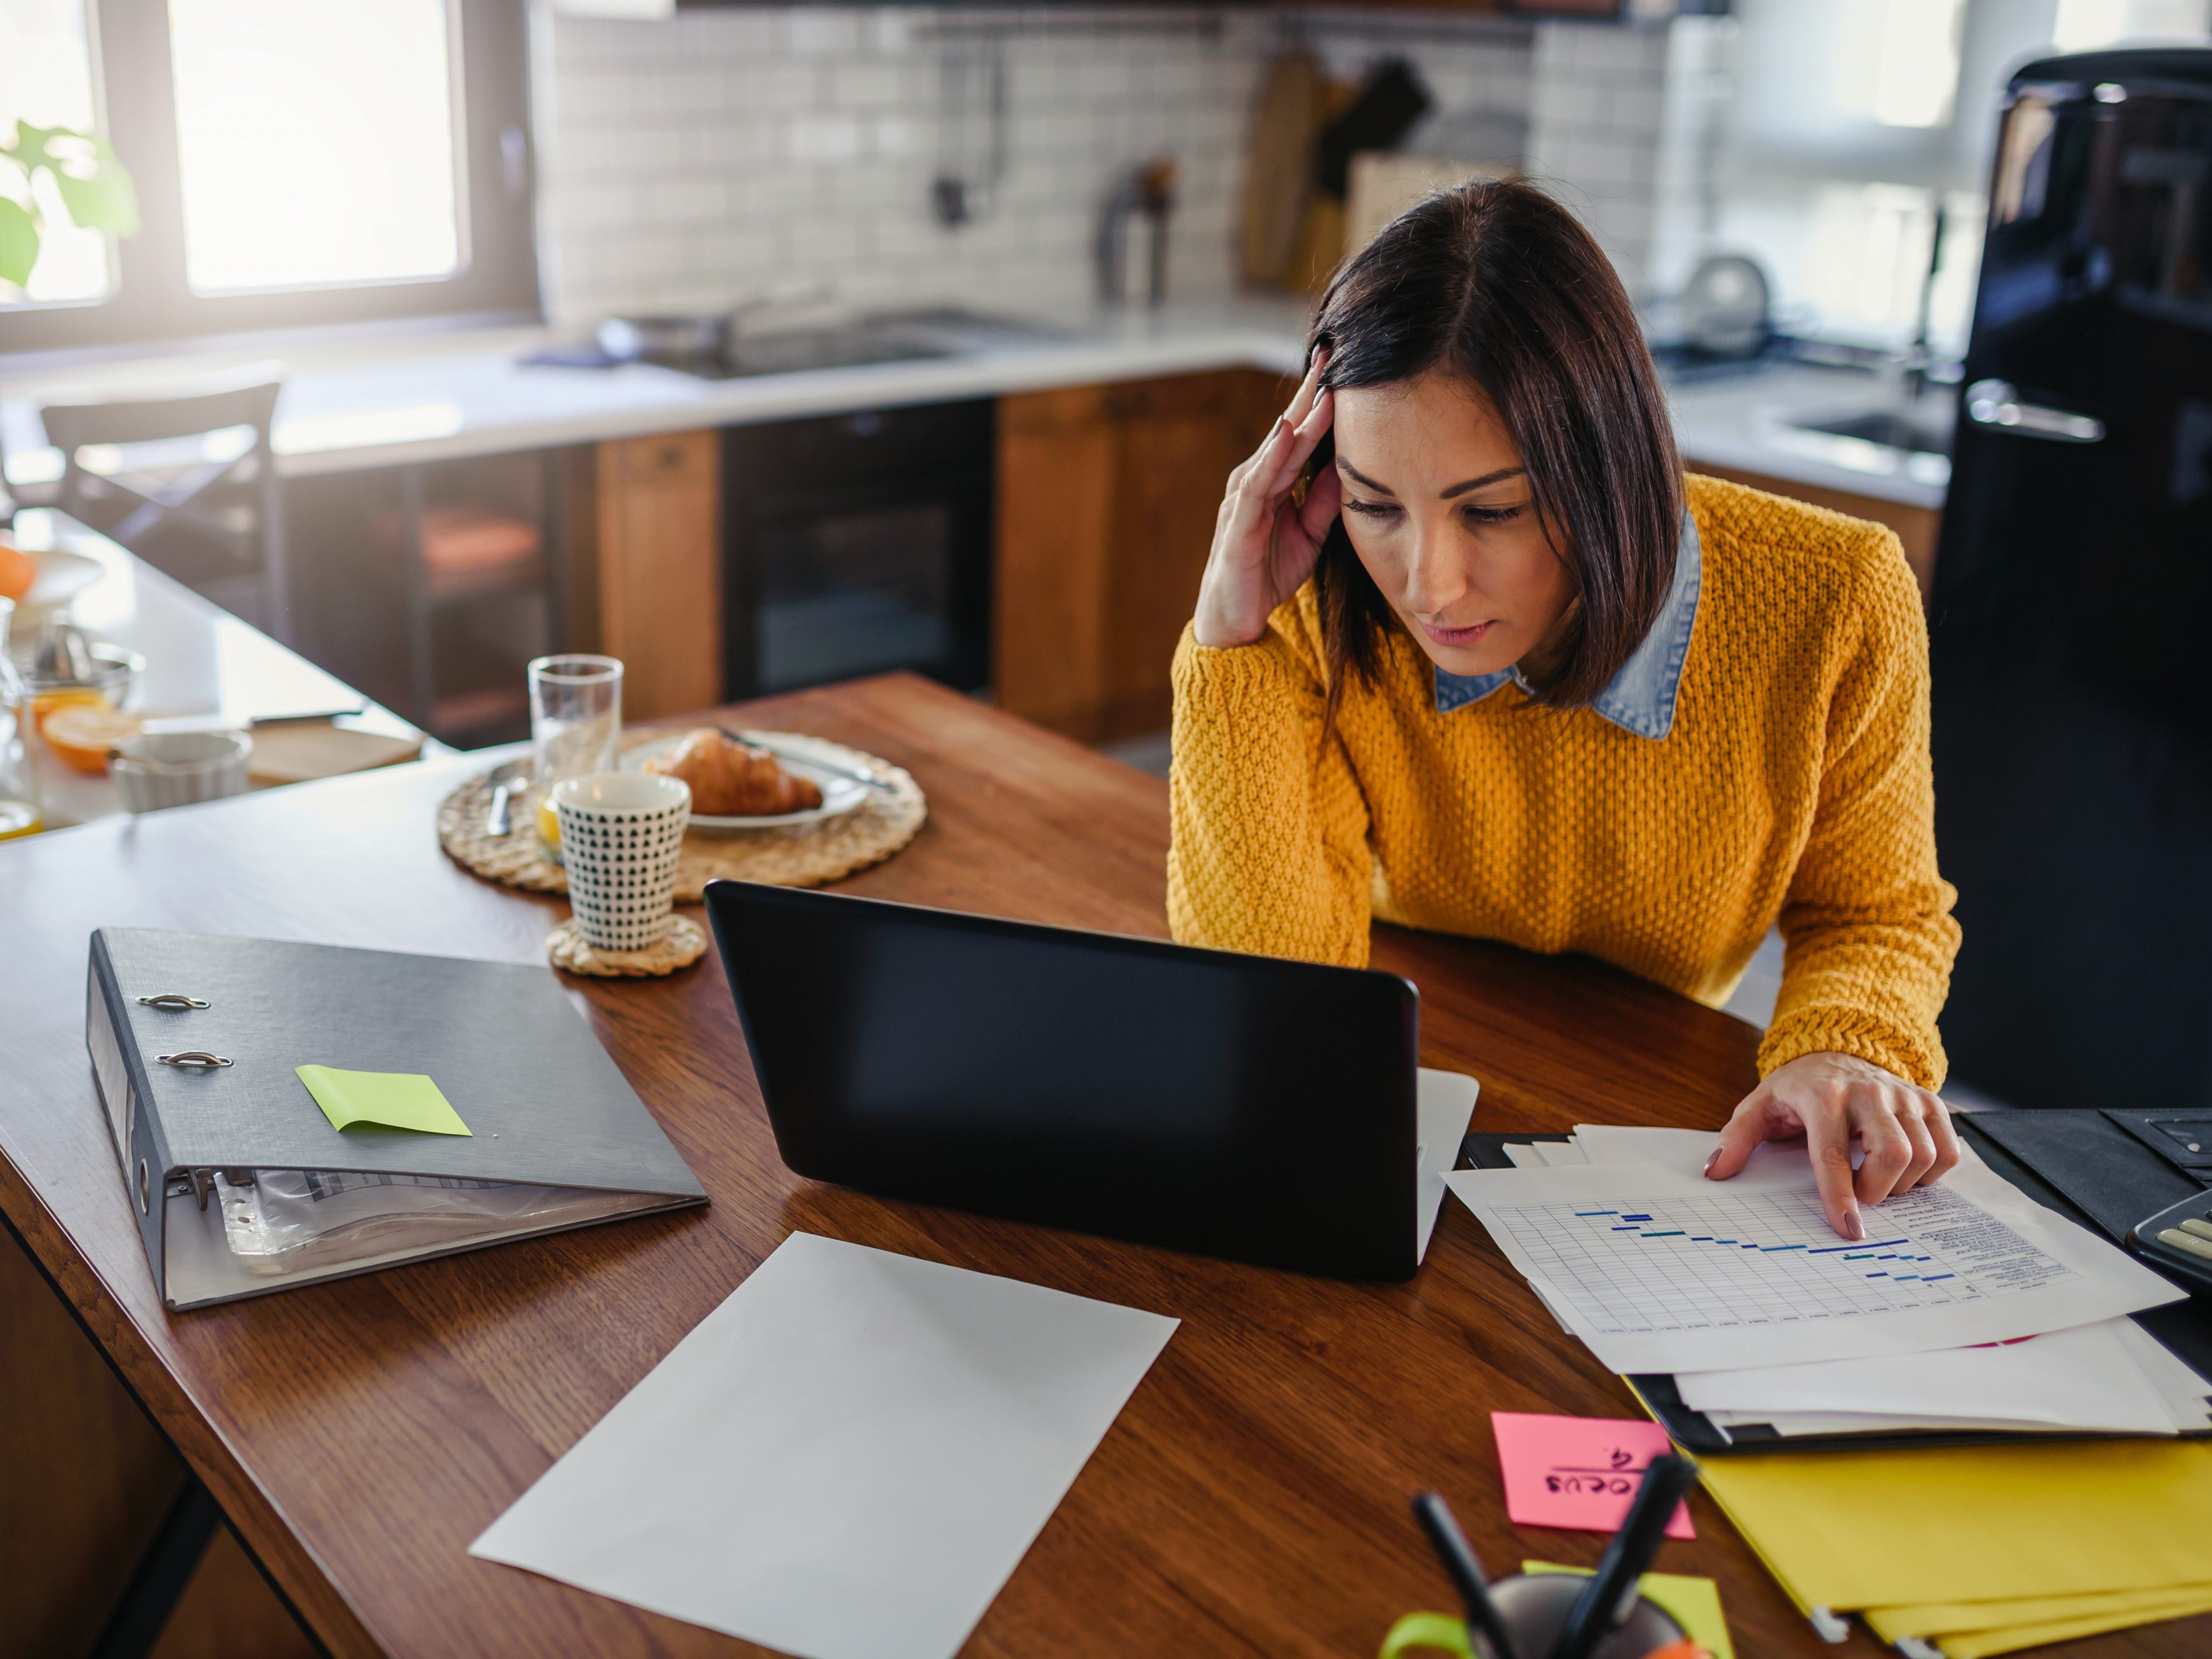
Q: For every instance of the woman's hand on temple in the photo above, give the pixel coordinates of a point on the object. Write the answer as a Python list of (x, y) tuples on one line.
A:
[(1265, 542), (1831, 1099)]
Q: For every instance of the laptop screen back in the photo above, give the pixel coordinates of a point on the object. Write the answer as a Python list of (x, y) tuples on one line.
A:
[(1233, 1105)]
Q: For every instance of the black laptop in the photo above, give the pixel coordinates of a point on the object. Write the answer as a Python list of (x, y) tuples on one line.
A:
[(1232, 1105)]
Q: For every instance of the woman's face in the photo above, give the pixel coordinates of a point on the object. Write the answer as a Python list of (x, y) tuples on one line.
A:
[(1438, 507)]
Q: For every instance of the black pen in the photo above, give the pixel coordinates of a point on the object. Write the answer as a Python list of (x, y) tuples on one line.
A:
[(1612, 1587), (1458, 1556)]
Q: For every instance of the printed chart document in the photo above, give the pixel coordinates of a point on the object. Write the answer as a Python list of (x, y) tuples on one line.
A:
[(2086, 1377), (1658, 1270), (846, 1459)]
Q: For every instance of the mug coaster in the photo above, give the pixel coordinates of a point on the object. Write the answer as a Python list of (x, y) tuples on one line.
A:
[(684, 944)]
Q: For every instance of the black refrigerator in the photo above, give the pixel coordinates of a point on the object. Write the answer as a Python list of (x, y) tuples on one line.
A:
[(2071, 615)]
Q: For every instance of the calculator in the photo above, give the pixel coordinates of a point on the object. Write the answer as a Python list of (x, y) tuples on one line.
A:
[(2179, 1240)]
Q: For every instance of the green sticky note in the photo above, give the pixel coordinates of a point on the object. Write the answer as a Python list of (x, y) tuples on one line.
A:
[(1695, 1603), (395, 1100)]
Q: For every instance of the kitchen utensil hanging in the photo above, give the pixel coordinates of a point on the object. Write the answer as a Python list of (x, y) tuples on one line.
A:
[(971, 129)]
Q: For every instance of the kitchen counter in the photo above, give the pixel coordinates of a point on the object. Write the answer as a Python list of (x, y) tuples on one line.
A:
[(203, 667), (433, 397), (1743, 422)]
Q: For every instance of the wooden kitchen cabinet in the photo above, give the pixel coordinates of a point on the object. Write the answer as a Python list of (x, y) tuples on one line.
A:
[(649, 562), (1916, 526), (1106, 502), (88, 1490)]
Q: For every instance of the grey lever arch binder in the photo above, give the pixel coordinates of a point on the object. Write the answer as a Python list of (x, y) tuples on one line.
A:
[(239, 1183)]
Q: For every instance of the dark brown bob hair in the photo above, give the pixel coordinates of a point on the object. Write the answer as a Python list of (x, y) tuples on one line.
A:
[(1499, 284)]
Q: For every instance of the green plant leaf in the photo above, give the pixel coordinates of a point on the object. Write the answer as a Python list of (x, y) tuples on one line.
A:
[(102, 200), (31, 143), (19, 242)]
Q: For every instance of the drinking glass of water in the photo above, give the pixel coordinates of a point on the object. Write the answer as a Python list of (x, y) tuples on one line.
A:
[(575, 726)]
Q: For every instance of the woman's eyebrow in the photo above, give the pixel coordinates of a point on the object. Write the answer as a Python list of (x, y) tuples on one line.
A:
[(1358, 477), (1502, 472), (1477, 483)]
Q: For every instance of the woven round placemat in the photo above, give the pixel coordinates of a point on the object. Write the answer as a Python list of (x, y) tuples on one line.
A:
[(798, 855), (684, 944)]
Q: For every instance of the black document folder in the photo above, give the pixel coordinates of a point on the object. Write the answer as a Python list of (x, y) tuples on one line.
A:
[(238, 1182)]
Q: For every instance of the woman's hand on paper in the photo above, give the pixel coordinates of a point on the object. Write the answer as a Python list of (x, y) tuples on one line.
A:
[(1265, 539), (1832, 1100)]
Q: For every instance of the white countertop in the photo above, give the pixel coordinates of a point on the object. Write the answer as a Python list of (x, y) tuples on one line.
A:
[(203, 667), (436, 397), (432, 397), (1745, 422)]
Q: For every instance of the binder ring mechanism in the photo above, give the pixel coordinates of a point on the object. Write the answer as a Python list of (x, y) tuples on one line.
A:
[(193, 1059), (171, 999)]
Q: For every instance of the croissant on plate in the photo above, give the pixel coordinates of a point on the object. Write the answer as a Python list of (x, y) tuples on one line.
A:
[(733, 780)]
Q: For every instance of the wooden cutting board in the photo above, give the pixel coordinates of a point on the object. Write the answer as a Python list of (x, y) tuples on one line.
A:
[(294, 753), (1280, 176)]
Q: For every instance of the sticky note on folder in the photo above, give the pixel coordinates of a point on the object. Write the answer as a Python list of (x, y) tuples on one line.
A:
[(390, 1100), (1579, 1473)]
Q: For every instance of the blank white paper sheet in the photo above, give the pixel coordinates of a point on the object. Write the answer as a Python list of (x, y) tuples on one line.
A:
[(846, 1459)]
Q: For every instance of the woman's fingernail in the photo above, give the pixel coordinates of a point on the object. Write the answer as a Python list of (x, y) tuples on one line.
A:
[(1711, 1158), (1854, 1229)]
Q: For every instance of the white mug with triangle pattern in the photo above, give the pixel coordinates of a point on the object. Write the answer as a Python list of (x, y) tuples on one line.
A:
[(621, 833)]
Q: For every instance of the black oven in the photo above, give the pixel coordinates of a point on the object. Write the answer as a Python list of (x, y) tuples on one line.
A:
[(857, 544)]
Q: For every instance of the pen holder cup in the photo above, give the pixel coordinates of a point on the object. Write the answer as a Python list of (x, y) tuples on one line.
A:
[(1534, 1606)]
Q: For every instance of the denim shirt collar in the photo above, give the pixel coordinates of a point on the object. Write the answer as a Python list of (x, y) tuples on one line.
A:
[(1640, 698)]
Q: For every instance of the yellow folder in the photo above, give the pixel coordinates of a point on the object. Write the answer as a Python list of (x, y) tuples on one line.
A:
[(1973, 1523), (1946, 1619), (2011, 1639)]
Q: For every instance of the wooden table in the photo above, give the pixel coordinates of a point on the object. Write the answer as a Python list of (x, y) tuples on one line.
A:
[(1252, 1497)]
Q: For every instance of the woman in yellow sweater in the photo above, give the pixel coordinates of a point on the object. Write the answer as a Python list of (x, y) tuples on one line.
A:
[(1470, 653)]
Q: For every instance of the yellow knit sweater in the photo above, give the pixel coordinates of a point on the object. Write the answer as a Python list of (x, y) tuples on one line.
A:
[(1795, 784)]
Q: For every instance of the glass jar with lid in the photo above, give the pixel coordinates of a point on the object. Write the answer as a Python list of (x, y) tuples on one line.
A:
[(22, 809)]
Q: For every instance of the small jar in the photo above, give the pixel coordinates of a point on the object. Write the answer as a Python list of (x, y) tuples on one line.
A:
[(22, 809)]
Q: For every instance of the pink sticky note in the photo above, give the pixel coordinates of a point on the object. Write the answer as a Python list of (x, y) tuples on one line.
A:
[(1581, 1473)]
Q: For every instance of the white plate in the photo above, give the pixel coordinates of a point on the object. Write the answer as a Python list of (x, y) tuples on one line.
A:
[(839, 795)]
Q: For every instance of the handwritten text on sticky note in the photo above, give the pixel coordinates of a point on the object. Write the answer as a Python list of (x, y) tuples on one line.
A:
[(1577, 1472)]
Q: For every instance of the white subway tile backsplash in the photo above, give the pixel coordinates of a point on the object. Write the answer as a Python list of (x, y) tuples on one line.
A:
[(597, 207), (688, 200), (863, 84), (728, 29), (896, 136), (825, 137), (772, 84), (895, 28), (677, 92), (732, 142), (819, 30), (1634, 108), (691, 160), (1565, 103)]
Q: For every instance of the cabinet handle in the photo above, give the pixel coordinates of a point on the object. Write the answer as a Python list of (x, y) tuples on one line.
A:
[(1994, 403)]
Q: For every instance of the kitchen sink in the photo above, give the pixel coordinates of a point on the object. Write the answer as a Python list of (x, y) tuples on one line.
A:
[(797, 349), (1892, 428), (891, 337)]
